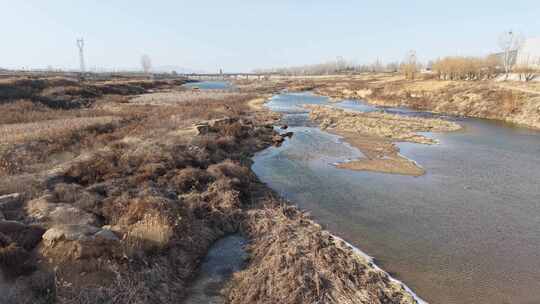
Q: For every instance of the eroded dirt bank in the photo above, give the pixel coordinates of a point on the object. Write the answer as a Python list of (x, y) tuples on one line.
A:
[(124, 211)]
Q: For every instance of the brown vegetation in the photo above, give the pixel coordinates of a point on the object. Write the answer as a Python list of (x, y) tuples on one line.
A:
[(128, 211), (293, 260)]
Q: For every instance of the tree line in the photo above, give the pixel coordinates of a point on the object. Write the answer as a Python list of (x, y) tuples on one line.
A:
[(465, 68)]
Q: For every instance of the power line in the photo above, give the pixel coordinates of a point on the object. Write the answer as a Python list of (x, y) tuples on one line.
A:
[(80, 45)]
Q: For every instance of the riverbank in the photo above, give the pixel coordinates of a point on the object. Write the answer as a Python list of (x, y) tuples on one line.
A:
[(511, 101), (127, 210)]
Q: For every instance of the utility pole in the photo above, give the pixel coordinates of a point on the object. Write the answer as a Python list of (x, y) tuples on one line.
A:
[(80, 45)]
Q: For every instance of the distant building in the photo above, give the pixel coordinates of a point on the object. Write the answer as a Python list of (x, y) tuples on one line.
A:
[(529, 53)]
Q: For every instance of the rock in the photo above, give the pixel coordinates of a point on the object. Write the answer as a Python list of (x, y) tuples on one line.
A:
[(288, 134), (10, 201), (76, 242), (106, 234), (51, 214), (284, 127), (70, 233)]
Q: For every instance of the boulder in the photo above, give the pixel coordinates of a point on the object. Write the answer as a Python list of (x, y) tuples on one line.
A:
[(76, 242), (69, 233)]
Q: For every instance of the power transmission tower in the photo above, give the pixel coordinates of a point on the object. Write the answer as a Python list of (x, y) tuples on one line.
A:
[(80, 44)]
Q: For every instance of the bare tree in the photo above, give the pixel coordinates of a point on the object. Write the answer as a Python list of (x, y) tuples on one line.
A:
[(409, 66), (146, 63), (465, 68), (509, 42), (528, 69)]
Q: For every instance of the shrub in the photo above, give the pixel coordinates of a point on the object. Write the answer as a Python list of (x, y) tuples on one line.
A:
[(241, 176), (466, 68), (189, 179), (152, 232)]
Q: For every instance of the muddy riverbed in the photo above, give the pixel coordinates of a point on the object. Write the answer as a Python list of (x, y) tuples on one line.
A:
[(467, 231)]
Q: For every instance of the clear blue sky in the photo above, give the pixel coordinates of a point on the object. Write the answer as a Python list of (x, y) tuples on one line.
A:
[(241, 35)]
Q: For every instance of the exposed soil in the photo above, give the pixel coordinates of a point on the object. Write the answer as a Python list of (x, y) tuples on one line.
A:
[(374, 134), (379, 156)]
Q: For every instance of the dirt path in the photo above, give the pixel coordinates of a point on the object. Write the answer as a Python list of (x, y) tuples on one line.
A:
[(517, 88)]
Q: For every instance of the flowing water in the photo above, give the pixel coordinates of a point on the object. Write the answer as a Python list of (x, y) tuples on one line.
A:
[(468, 231), (210, 85)]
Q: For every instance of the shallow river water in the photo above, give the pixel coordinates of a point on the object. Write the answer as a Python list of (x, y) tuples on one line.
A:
[(210, 85), (468, 231), (224, 258)]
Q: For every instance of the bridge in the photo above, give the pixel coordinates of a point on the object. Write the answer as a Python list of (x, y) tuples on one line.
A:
[(224, 76)]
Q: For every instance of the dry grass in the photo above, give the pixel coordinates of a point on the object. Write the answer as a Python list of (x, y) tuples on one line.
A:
[(17, 133), (151, 233), (294, 261), (428, 85), (508, 101), (25, 111), (172, 98)]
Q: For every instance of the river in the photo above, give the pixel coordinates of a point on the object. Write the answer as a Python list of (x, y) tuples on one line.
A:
[(468, 231), (210, 85)]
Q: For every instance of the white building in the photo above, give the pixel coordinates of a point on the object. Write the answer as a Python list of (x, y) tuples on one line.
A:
[(529, 53)]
